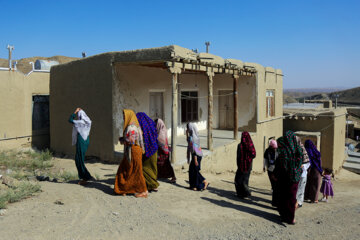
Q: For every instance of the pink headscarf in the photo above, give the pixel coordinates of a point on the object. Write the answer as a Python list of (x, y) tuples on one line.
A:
[(273, 144)]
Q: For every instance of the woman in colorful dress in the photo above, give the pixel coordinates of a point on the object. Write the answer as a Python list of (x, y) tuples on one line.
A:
[(165, 170), (129, 178), (245, 155), (288, 172), (150, 136), (196, 180), (80, 138)]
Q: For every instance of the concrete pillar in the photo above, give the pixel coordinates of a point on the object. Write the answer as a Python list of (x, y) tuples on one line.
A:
[(210, 75), (175, 71), (236, 111)]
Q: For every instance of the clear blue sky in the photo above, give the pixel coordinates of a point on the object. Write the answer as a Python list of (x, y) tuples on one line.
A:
[(316, 43)]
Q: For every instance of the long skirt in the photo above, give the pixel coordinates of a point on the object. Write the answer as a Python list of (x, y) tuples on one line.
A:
[(242, 183), (287, 199), (164, 168), (196, 180), (150, 172), (301, 190), (313, 185), (129, 177), (81, 148)]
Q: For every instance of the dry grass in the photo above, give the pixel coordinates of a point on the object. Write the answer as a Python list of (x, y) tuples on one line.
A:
[(17, 193), (26, 161)]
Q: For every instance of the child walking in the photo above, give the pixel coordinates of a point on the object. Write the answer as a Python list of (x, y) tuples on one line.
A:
[(326, 186)]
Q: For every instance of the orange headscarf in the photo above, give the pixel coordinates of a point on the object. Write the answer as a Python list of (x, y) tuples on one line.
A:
[(132, 133)]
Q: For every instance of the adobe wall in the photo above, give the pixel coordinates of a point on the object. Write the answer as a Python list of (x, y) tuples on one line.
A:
[(332, 130), (86, 83), (267, 127), (16, 91)]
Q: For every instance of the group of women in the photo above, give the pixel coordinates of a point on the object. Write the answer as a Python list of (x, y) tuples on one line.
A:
[(146, 153), (287, 161), (146, 158)]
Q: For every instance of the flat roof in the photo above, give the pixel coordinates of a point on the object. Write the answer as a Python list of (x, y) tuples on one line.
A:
[(183, 56), (313, 112)]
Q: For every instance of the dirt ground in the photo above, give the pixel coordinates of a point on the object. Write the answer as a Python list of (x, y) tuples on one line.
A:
[(175, 212)]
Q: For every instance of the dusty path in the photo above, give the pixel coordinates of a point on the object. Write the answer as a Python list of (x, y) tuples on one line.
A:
[(93, 212)]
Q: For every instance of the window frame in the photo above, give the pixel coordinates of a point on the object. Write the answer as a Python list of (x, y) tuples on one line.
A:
[(270, 102), (189, 106)]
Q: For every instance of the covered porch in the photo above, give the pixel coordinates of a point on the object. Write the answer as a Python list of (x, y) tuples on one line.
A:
[(224, 145)]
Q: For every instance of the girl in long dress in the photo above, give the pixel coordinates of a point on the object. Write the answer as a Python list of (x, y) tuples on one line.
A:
[(129, 177), (245, 154), (80, 138), (196, 180), (165, 170)]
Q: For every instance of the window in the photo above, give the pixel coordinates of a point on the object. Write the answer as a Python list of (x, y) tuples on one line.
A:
[(270, 103), (189, 106)]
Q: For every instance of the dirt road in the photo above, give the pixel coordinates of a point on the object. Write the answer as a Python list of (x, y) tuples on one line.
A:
[(93, 212)]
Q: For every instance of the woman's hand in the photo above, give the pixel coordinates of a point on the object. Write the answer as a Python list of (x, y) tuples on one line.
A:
[(77, 110), (196, 162)]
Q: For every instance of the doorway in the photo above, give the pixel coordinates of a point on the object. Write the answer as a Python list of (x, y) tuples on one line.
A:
[(226, 109), (156, 105), (40, 121)]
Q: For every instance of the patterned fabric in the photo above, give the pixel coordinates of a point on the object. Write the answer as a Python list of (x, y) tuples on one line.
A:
[(246, 152), (132, 133), (290, 156), (150, 134), (305, 155), (314, 155), (162, 136)]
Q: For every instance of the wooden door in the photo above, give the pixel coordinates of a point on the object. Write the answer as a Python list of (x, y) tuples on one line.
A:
[(156, 105), (226, 109)]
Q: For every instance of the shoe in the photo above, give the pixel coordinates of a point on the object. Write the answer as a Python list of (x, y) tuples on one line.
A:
[(323, 200), (299, 205)]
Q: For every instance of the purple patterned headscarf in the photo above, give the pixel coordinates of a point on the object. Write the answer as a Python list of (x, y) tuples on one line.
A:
[(148, 127), (314, 155)]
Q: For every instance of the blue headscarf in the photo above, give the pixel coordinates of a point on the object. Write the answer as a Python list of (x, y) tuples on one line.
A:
[(148, 127), (314, 155)]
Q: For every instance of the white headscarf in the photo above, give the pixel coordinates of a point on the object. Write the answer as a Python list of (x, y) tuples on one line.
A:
[(194, 139), (81, 126)]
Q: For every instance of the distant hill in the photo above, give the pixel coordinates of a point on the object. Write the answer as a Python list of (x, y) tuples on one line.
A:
[(349, 96), (299, 93), (24, 66), (288, 99)]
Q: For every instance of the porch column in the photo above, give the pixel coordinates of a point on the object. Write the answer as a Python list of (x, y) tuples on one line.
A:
[(210, 75), (175, 71), (236, 111)]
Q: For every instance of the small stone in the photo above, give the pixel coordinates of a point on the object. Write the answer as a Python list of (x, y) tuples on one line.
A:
[(115, 213), (2, 212), (319, 222), (59, 202)]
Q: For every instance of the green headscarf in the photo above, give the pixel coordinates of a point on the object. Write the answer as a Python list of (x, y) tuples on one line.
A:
[(290, 156)]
